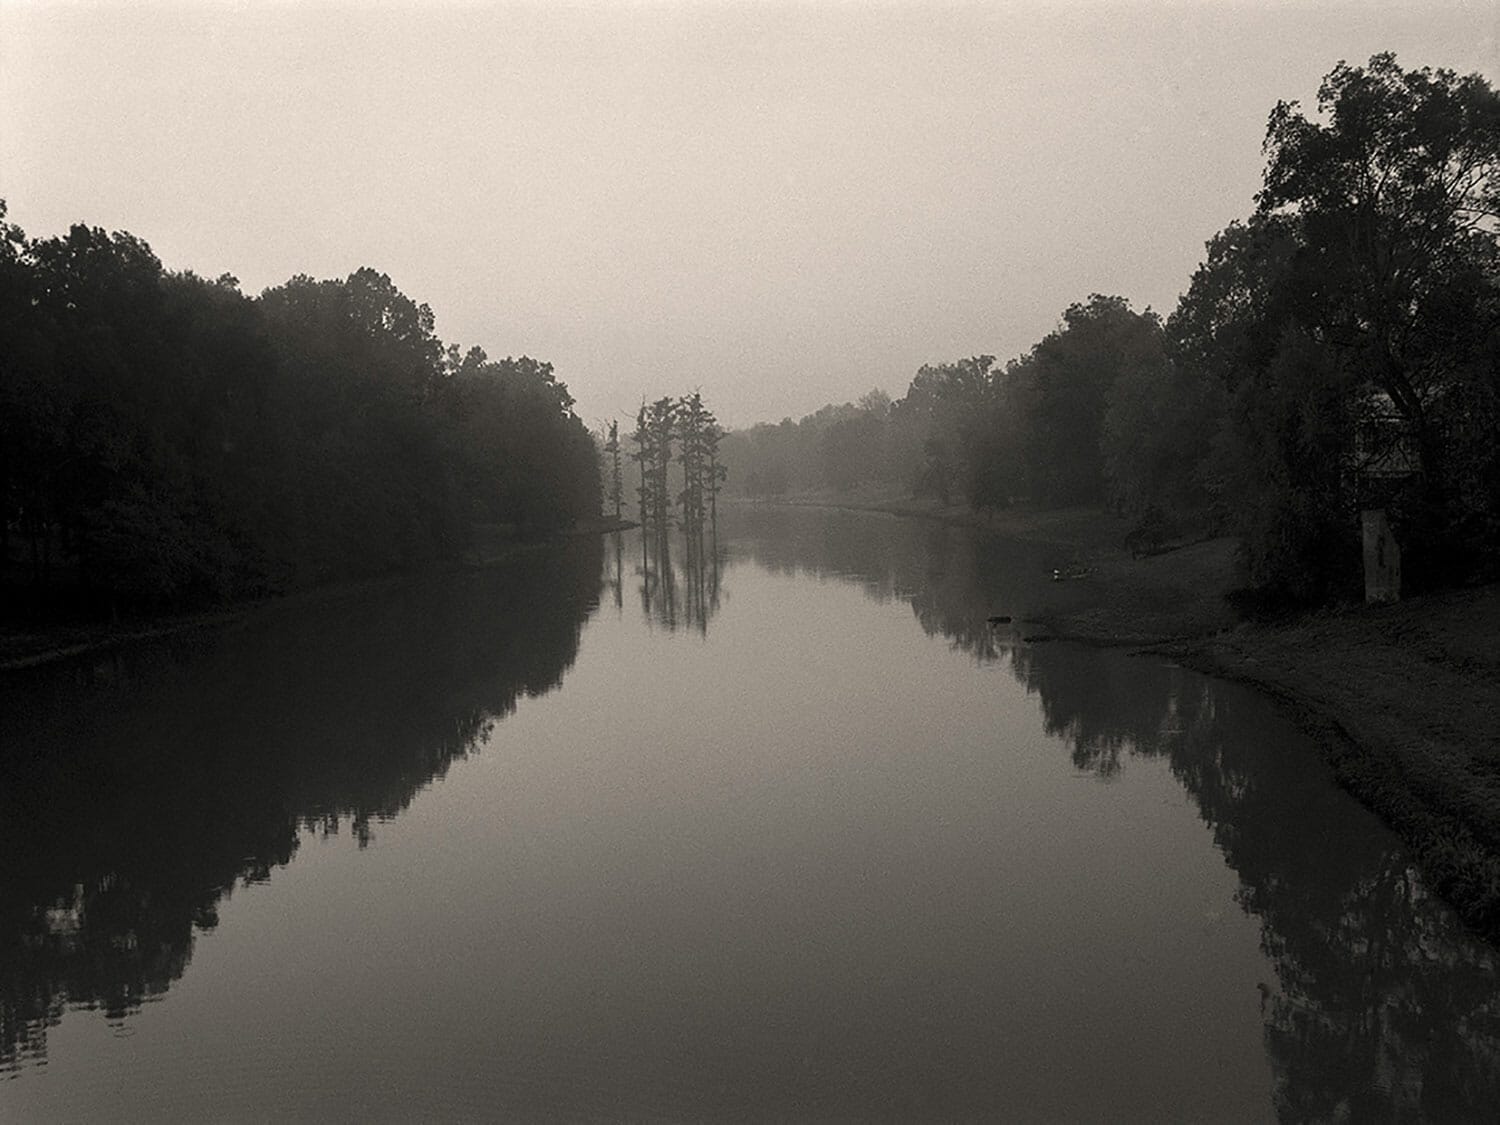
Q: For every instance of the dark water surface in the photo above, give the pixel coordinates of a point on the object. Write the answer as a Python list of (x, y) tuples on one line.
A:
[(797, 836)]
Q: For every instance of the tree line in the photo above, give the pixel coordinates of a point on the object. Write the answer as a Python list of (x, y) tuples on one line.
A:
[(166, 440), (1337, 349)]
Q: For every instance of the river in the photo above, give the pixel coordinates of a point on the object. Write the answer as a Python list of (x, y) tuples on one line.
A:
[(792, 833)]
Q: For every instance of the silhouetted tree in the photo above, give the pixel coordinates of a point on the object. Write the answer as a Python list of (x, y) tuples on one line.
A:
[(690, 421), (166, 440), (718, 473), (612, 451), (1396, 200), (661, 424)]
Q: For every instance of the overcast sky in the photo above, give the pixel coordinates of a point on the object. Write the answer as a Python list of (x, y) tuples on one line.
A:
[(784, 205)]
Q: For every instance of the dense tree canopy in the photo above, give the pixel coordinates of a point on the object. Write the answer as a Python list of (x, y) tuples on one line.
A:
[(165, 439), (1394, 198), (1064, 387)]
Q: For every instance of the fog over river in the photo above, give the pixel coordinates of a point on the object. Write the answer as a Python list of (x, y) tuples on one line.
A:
[(790, 832)]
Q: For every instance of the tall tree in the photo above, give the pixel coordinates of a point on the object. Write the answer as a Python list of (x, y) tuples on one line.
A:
[(713, 433), (690, 420), (1395, 194), (1063, 386), (661, 423), (612, 451), (644, 457), (1398, 195)]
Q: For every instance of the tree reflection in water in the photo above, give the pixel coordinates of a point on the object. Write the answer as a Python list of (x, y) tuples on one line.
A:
[(1385, 1000), (1385, 1006), (679, 588), (121, 836)]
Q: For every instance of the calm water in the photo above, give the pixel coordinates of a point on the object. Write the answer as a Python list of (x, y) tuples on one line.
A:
[(793, 836)]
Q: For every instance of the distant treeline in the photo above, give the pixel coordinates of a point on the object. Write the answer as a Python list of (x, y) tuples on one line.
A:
[(166, 440), (1338, 349)]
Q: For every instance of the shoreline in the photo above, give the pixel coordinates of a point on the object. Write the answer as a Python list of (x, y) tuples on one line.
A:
[(1113, 599), (1403, 700), (23, 649)]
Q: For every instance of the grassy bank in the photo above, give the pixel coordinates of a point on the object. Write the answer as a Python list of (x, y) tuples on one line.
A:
[(1404, 700)]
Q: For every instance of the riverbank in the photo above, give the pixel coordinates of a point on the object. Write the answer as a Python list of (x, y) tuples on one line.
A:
[(1405, 702), (1104, 595), (27, 647), (1403, 699)]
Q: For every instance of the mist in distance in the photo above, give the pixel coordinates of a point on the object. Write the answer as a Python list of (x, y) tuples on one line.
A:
[(785, 206)]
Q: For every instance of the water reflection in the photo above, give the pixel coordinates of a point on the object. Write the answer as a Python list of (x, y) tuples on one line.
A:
[(734, 876), (1385, 1006), (138, 790), (953, 577), (1385, 1002), (678, 577), (1385, 998)]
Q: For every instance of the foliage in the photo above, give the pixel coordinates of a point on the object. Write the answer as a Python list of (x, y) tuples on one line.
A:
[(1296, 490), (1157, 446), (774, 459), (167, 440), (615, 491), (1395, 198), (1063, 389), (943, 410)]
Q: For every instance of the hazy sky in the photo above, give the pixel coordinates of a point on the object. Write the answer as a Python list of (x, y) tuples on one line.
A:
[(783, 204)]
